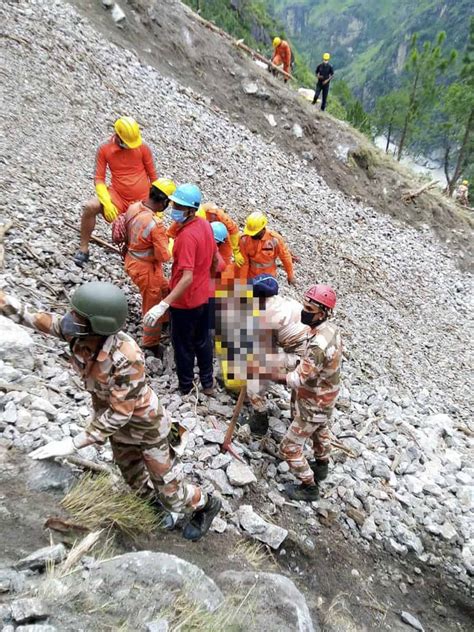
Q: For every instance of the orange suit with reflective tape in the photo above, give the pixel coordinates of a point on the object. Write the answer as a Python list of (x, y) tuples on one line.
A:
[(261, 255), (282, 55), (147, 251)]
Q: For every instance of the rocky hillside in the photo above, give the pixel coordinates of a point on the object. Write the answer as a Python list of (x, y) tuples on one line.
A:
[(397, 508)]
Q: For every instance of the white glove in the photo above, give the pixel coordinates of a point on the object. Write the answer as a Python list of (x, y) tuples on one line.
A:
[(54, 448), (155, 313)]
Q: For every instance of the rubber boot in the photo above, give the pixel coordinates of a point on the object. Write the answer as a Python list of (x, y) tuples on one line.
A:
[(258, 423), (201, 520), (320, 469), (302, 492)]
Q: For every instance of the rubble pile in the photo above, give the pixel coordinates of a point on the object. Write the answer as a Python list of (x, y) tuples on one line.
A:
[(404, 477)]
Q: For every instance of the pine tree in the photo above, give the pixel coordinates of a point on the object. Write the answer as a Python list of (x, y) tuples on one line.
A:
[(424, 67)]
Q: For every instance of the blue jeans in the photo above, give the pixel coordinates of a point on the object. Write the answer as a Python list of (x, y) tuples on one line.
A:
[(191, 340)]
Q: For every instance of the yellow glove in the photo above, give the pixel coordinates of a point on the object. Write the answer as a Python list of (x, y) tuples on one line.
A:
[(170, 245), (238, 257), (110, 212)]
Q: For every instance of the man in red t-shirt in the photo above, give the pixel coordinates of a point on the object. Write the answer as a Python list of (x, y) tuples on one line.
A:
[(133, 171), (194, 262)]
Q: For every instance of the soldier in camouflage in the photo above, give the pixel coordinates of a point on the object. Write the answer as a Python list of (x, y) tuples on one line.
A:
[(126, 410), (315, 387)]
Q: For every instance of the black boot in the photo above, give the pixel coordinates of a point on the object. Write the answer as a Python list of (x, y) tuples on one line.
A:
[(302, 492), (201, 520), (258, 423), (320, 469)]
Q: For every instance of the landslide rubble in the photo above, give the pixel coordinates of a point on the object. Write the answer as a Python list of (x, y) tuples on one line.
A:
[(405, 478)]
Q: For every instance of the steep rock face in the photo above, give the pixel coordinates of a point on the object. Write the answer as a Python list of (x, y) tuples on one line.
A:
[(367, 38)]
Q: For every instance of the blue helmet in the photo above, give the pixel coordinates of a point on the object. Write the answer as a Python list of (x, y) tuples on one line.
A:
[(187, 195), (264, 285), (220, 232)]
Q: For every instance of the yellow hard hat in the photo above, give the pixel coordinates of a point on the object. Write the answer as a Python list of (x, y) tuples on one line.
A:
[(165, 185), (276, 42), (465, 182), (326, 57), (254, 223), (201, 212), (129, 131)]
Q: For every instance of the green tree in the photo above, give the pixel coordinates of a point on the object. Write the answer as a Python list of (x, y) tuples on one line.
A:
[(387, 117), (354, 111), (424, 68), (453, 120)]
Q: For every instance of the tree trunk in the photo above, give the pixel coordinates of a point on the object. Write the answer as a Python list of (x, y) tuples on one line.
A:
[(408, 115), (446, 170), (389, 136), (462, 151)]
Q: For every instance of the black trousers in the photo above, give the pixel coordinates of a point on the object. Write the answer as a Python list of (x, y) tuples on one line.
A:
[(191, 340), (325, 90)]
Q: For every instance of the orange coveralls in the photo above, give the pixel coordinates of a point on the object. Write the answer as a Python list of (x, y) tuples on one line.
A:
[(261, 255), (132, 172), (282, 55), (147, 251)]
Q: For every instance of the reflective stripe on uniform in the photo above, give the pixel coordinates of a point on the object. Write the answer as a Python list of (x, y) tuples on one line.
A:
[(140, 254)]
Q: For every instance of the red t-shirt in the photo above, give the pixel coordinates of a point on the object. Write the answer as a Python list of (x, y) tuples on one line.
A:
[(193, 249)]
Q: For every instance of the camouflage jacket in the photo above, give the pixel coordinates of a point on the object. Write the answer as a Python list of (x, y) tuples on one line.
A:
[(124, 404), (317, 376)]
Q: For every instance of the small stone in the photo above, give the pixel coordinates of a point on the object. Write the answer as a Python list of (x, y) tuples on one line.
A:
[(249, 87), (283, 467), (26, 610), (448, 531), (368, 529), (355, 572), (297, 130), (218, 525), (38, 403), (240, 474), (213, 436), (221, 461), (441, 610), (42, 557), (160, 625), (271, 120), (257, 527), (408, 618), (118, 16), (403, 588), (359, 517), (220, 481)]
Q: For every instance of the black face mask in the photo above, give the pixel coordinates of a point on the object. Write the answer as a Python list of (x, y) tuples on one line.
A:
[(71, 328), (307, 318)]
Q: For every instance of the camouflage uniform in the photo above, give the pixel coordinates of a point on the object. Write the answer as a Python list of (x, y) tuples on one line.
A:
[(282, 316), (462, 195), (315, 387), (126, 410)]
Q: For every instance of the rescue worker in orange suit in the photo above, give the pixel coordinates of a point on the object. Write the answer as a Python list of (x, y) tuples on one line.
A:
[(147, 250), (225, 267), (281, 54), (261, 248), (132, 169), (212, 213)]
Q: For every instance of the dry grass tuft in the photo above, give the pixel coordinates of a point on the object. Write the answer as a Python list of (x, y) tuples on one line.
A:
[(231, 616), (255, 553), (338, 617), (96, 503)]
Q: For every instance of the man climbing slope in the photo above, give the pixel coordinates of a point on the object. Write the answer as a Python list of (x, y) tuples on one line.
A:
[(126, 410), (132, 169), (281, 54), (324, 74)]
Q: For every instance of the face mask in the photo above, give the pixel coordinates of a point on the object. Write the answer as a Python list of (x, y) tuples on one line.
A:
[(178, 216), (257, 236), (307, 318), (71, 328)]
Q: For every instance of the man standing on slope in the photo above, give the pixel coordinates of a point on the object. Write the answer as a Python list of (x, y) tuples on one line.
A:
[(126, 410), (194, 262), (132, 169), (462, 193), (324, 73), (281, 54), (261, 247), (315, 387), (147, 250)]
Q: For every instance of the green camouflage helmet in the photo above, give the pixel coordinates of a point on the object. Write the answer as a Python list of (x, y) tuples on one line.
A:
[(103, 304)]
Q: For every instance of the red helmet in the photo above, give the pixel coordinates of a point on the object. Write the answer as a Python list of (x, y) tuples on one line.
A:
[(323, 294)]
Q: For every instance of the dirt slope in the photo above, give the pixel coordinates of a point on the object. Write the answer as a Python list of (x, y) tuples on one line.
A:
[(168, 36)]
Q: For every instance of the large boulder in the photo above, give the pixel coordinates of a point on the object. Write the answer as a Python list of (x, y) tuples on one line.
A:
[(276, 602), (16, 345)]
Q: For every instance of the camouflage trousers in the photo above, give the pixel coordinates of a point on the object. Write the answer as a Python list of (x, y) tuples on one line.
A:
[(142, 465), (309, 422)]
